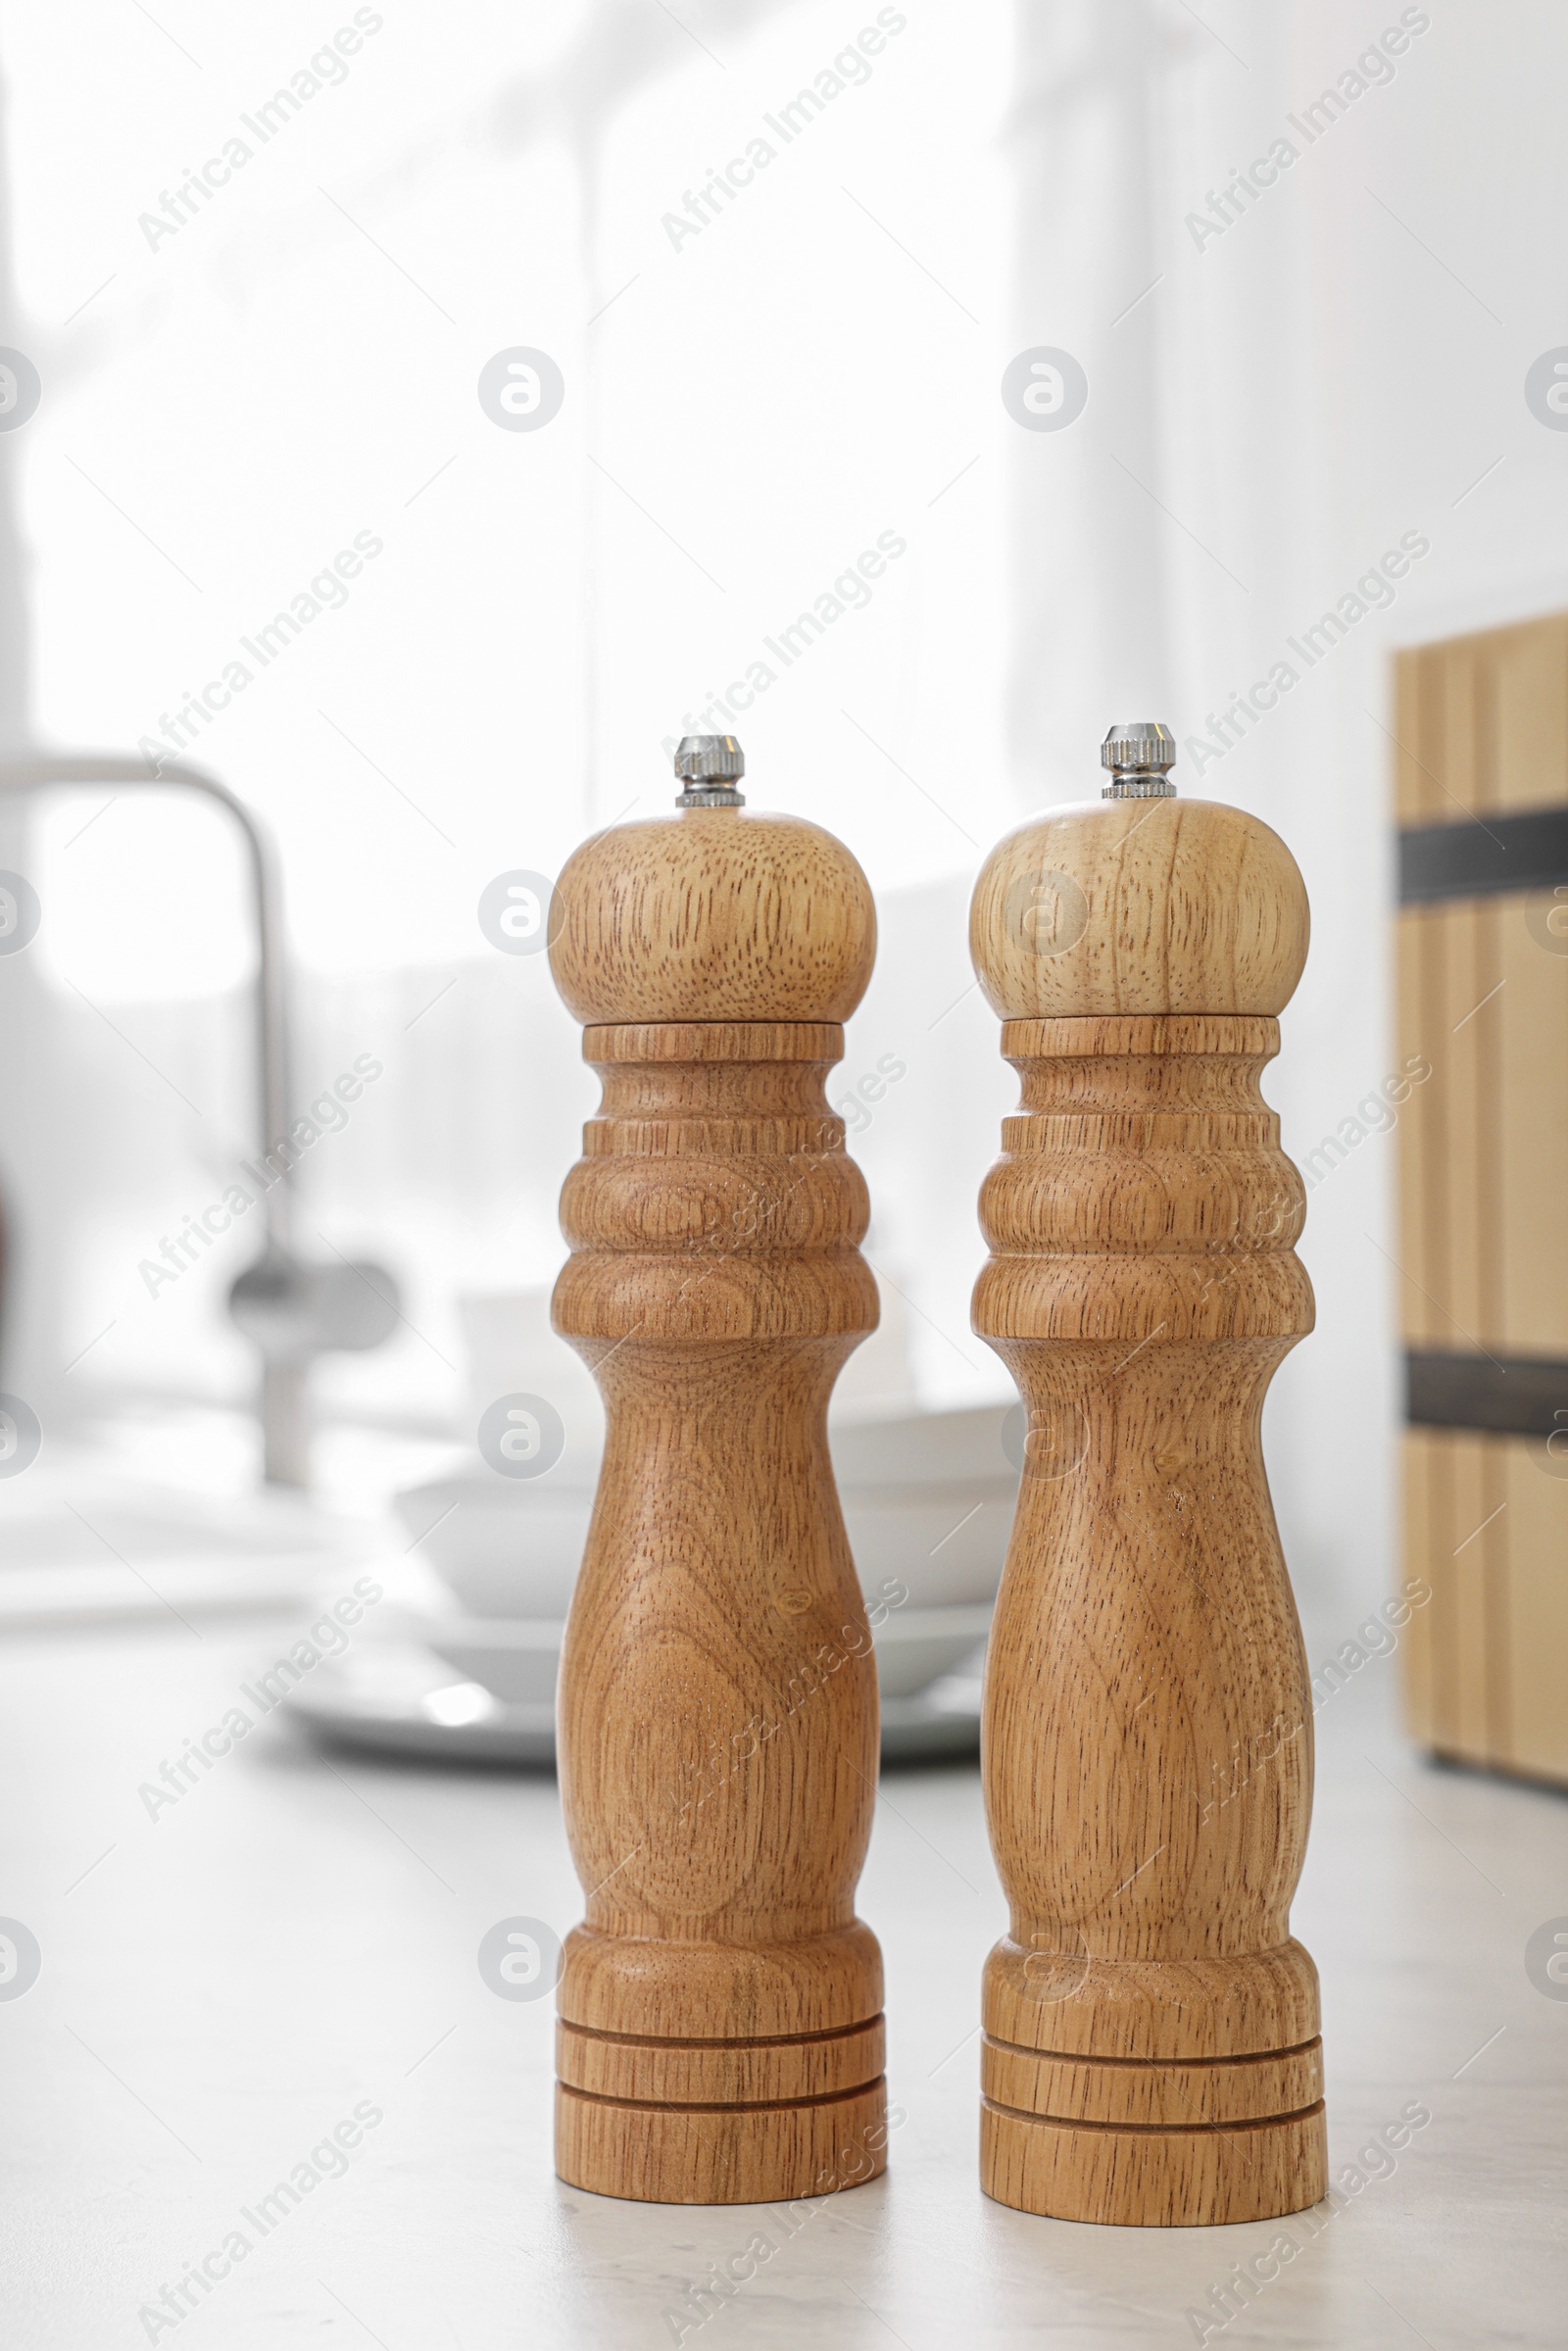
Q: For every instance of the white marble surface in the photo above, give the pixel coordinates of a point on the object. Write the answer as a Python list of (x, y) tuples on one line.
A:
[(227, 1981)]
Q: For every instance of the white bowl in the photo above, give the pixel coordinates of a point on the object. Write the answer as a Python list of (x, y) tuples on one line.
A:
[(516, 1660), (945, 1544), (907, 1448), (505, 1548), (927, 1497)]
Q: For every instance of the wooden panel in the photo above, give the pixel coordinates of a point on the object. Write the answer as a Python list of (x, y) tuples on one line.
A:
[(1438, 1566), (1532, 1069), (1431, 715), (1419, 1160), (1413, 788), (1450, 956), (1417, 1644), (1464, 1540), (1483, 728), (1464, 777), (1538, 1608), (1465, 940), (1483, 1026), (1428, 1284), (1495, 1541), (1485, 1659), (1529, 670), (1482, 723), (1435, 1567)]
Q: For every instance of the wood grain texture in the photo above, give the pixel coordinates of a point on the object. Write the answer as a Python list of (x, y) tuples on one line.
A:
[(1466, 1068), (712, 914), (669, 2154), (1151, 2052), (1482, 729), (1535, 1482), (1156, 2178), (1422, 1191), (1529, 669), (1473, 1589), (1411, 776), (1532, 1143), (1418, 1665), (1177, 2095), (1138, 906), (1485, 1525), (720, 2037)]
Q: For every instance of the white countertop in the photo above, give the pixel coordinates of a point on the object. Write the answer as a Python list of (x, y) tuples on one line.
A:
[(222, 1986)]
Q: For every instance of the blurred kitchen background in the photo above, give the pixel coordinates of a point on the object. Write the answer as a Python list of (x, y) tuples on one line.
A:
[(250, 366)]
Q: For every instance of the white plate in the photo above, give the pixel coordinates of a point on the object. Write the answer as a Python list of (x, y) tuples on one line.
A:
[(516, 1659), (402, 1700)]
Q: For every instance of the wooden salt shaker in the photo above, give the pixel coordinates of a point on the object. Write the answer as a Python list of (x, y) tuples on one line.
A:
[(1151, 2028), (720, 2034)]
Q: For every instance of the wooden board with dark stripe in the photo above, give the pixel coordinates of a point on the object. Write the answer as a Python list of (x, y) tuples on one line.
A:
[(1481, 793)]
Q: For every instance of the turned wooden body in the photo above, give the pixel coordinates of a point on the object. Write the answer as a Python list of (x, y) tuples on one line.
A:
[(720, 2032), (1151, 2030)]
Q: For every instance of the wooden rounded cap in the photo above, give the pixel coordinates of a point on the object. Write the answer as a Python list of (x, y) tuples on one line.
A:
[(1138, 906), (712, 914)]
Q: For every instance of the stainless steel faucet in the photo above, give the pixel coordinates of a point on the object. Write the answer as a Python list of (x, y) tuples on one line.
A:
[(291, 1309)]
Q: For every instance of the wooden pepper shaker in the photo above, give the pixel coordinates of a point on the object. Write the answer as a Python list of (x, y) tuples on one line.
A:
[(1151, 2030), (720, 2034)]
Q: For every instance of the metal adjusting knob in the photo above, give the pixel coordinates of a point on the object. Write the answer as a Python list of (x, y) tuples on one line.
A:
[(1139, 752), (710, 767)]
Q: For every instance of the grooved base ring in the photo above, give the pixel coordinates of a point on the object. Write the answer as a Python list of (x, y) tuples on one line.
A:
[(720, 2154), (1153, 2177)]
